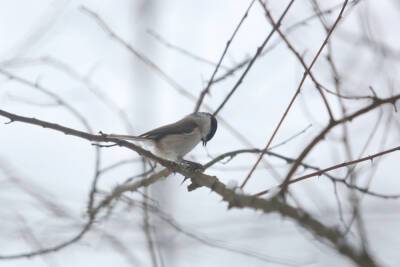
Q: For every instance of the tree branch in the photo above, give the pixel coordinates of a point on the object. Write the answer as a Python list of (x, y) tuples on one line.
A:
[(376, 103), (234, 199), (306, 72), (337, 166)]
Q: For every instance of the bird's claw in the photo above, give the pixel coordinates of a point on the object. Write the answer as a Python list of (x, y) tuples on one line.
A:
[(192, 166)]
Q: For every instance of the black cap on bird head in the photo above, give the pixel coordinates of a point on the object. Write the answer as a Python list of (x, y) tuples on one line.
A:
[(213, 129)]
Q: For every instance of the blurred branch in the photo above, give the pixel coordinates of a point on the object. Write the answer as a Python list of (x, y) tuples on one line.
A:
[(42, 196), (253, 59), (206, 90), (298, 56), (115, 194), (76, 114), (289, 30), (217, 243), (147, 230), (153, 66), (85, 80), (181, 50), (36, 85), (28, 101), (118, 164)]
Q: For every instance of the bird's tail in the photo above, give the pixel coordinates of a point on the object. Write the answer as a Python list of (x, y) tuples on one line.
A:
[(126, 137)]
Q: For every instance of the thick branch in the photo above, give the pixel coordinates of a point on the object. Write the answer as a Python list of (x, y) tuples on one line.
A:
[(274, 205)]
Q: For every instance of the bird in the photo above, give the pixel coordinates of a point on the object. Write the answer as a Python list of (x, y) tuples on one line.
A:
[(173, 141)]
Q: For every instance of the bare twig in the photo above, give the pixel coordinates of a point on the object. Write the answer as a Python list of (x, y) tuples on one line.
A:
[(153, 66), (253, 59), (181, 50), (115, 194), (118, 164), (337, 166), (343, 181), (289, 30), (206, 90), (147, 228), (296, 93), (299, 57), (377, 103), (50, 93)]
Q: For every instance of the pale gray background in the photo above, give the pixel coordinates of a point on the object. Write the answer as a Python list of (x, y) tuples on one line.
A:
[(61, 167)]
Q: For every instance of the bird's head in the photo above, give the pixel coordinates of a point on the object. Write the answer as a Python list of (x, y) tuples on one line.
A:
[(208, 126)]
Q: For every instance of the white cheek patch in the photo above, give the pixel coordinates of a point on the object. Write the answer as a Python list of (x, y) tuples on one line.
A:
[(205, 126)]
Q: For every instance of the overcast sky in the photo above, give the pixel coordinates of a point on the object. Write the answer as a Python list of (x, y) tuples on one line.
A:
[(35, 34)]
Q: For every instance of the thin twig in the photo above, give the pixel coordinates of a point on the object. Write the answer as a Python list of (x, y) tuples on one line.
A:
[(181, 50), (299, 57), (289, 30), (153, 66), (253, 59), (206, 90), (377, 103), (343, 181), (295, 94), (337, 166)]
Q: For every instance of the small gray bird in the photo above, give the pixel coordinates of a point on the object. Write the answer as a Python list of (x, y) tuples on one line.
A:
[(175, 140)]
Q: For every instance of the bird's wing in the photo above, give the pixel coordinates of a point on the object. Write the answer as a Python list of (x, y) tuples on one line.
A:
[(179, 127)]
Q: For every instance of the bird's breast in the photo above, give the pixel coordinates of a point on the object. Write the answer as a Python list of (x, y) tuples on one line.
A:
[(174, 147)]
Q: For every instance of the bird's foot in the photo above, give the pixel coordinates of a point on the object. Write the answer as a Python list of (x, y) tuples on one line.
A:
[(191, 166)]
